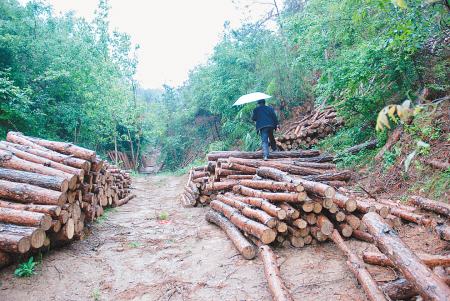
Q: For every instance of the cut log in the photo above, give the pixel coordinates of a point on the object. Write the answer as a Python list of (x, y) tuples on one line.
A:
[(272, 270), (342, 175), (442, 166), (4, 259), (297, 242), (357, 148), (56, 226), (246, 210), (213, 156), (291, 212), (326, 227), (36, 235), (442, 229), (403, 289), (278, 197), (357, 267), (244, 247), (393, 138), (8, 160), (47, 209), (66, 232), (312, 187), (317, 234), (35, 149), (49, 182), (344, 229), (380, 259), (292, 169), (427, 284), (13, 243), (435, 206), (25, 218), (244, 168), (345, 202), (39, 160), (28, 193), (65, 148), (260, 203), (263, 233), (420, 219), (272, 185), (362, 235)]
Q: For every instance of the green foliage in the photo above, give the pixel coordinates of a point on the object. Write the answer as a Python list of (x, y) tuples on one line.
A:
[(389, 159), (96, 294), (26, 269), (135, 244), (164, 215)]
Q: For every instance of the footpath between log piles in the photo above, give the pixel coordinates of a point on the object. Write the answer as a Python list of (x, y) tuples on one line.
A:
[(296, 198), (49, 192)]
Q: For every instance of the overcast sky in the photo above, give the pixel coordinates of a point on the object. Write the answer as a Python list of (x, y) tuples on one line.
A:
[(174, 35)]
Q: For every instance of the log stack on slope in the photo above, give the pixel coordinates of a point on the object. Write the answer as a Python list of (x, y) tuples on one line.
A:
[(302, 132), (294, 199), (49, 190)]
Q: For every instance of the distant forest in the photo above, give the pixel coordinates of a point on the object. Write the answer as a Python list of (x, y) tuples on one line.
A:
[(65, 79)]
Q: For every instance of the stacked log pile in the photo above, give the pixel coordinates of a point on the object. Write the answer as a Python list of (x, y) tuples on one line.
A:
[(50, 190), (303, 132), (286, 201)]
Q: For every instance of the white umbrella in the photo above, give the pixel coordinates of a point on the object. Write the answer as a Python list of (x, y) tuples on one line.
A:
[(251, 98)]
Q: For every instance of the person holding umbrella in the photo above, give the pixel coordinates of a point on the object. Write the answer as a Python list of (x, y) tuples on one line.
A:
[(266, 123), (266, 120)]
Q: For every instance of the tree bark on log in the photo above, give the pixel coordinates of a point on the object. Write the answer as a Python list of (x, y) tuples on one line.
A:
[(312, 187), (427, 284), (25, 218), (47, 209), (66, 232), (13, 243), (326, 227), (345, 202), (255, 214), (292, 169), (403, 289), (344, 229), (40, 160), (263, 233), (35, 149), (8, 160), (31, 194), (357, 148), (313, 165), (442, 166), (291, 212), (272, 185), (364, 236), (259, 155), (436, 206), (342, 175), (36, 235), (125, 200), (216, 186), (49, 182), (265, 205), (357, 267), (65, 148), (442, 229), (380, 259), (409, 216), (277, 197), (244, 247), (273, 275)]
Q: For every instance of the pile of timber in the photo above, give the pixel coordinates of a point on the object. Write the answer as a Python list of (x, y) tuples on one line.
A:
[(303, 132), (50, 190), (283, 202)]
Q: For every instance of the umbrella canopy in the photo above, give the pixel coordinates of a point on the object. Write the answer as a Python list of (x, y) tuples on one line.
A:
[(251, 98)]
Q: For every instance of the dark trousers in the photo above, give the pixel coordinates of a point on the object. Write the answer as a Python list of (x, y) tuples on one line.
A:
[(266, 139)]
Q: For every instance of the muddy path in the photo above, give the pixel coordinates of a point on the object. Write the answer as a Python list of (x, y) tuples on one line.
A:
[(130, 255)]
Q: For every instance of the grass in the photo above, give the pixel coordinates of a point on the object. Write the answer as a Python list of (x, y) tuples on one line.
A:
[(26, 269), (135, 244), (96, 294)]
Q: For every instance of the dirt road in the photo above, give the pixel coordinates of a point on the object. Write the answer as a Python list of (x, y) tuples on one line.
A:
[(129, 255)]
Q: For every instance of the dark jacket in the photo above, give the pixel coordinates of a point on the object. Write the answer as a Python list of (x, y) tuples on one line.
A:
[(265, 117)]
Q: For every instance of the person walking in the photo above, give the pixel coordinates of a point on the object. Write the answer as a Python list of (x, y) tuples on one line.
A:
[(266, 123)]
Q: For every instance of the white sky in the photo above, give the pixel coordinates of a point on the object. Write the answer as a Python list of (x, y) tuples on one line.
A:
[(174, 35)]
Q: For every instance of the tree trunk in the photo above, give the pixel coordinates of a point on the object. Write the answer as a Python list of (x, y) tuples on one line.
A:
[(268, 207), (357, 148), (403, 289), (244, 247), (364, 236), (326, 227), (13, 243), (66, 232), (46, 162), (342, 175), (272, 270), (125, 200), (427, 284), (8, 160), (36, 235), (380, 259), (263, 233), (25, 218), (278, 197), (47, 209), (291, 212), (26, 193), (409, 216), (49, 182), (272, 185), (35, 149), (436, 206), (357, 267), (65, 148), (313, 187), (259, 155), (345, 202), (255, 214)]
